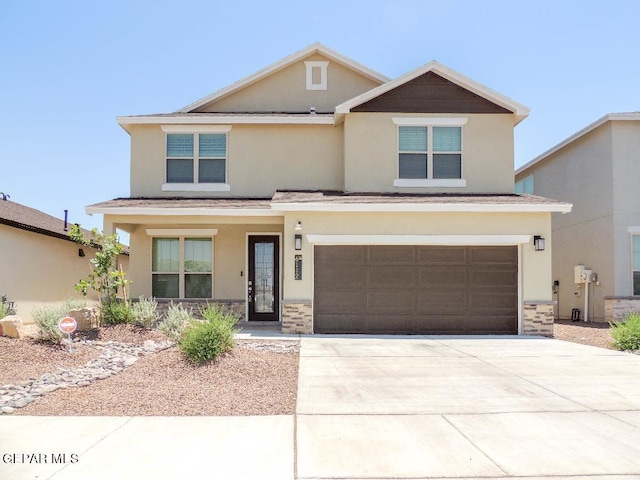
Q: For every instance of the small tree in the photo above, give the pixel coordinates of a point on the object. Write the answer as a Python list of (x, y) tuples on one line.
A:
[(105, 278)]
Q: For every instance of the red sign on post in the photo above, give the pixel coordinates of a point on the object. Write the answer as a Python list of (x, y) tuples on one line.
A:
[(67, 325)]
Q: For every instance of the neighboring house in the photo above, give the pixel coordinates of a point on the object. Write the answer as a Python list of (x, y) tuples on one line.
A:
[(597, 170), (40, 264), (321, 194)]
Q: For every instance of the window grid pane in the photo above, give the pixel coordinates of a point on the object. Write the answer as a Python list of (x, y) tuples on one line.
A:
[(165, 255), (447, 165), (179, 145), (413, 165), (447, 139), (197, 285), (212, 171), (179, 171), (213, 145), (412, 139), (165, 286), (197, 255)]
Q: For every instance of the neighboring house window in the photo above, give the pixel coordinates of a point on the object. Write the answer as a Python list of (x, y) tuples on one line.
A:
[(429, 152), (196, 161), (525, 185), (316, 75), (636, 264), (182, 267)]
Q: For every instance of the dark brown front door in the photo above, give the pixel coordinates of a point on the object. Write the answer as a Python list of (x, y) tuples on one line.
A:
[(264, 278), (415, 289)]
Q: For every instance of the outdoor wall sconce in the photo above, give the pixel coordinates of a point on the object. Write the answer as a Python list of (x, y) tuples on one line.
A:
[(80, 252), (298, 226), (538, 243), (298, 241)]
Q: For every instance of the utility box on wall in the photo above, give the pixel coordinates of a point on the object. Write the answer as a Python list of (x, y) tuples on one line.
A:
[(581, 274)]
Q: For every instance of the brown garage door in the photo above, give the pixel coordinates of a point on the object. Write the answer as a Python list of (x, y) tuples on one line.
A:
[(415, 289)]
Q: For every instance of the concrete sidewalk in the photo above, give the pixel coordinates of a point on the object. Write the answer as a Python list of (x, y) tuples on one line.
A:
[(460, 407)]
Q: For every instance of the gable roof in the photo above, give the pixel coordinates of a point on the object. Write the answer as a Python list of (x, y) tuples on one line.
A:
[(520, 111), (26, 218), (629, 116), (285, 62)]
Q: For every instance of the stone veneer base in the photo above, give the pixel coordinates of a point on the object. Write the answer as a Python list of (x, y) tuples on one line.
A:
[(615, 308), (538, 318), (297, 317)]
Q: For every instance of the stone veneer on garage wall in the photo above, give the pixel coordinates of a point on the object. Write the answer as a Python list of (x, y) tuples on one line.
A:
[(615, 308), (538, 318), (297, 317)]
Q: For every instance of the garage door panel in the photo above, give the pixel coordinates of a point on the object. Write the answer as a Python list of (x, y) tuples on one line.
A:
[(493, 255), (449, 255), (339, 323), (437, 324), (395, 323), (494, 324), (343, 277), (340, 255), (496, 302), (391, 301), (442, 301), (391, 254), (391, 276), (341, 302), (492, 277), (453, 276)]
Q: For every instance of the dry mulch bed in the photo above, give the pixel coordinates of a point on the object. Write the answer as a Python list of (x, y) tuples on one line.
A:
[(241, 382), (595, 334)]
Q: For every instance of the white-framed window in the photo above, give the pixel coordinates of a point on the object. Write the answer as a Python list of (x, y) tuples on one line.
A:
[(316, 75), (635, 246), (196, 158), (182, 267), (525, 185), (429, 152)]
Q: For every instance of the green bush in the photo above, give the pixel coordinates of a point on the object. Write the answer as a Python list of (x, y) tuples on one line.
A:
[(145, 312), (175, 321), (74, 304), (47, 318), (627, 332), (204, 341), (4, 310), (115, 312)]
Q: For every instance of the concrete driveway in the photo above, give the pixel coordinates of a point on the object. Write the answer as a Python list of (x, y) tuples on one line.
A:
[(489, 407)]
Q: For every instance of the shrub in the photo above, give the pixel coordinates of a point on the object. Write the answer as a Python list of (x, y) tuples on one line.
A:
[(175, 321), (74, 304), (47, 318), (115, 312), (4, 310), (204, 341), (145, 312), (627, 332)]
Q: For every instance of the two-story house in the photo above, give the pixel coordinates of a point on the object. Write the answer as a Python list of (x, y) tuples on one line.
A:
[(321, 194), (597, 170)]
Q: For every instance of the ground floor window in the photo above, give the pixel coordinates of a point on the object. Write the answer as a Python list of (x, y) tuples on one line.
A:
[(636, 264), (182, 267)]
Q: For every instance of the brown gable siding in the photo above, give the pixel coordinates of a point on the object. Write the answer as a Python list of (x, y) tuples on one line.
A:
[(430, 93)]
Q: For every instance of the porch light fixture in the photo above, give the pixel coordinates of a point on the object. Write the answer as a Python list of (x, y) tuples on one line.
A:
[(80, 252), (298, 241), (538, 243), (299, 225)]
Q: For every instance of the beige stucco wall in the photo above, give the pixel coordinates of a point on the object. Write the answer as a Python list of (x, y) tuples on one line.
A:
[(286, 91), (581, 173), (535, 266), (260, 160), (229, 250), (371, 153), (38, 269)]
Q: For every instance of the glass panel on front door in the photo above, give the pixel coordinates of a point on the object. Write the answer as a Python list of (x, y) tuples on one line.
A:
[(264, 277)]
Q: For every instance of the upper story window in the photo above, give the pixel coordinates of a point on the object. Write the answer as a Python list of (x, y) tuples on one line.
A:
[(316, 75), (196, 160), (429, 152), (525, 185)]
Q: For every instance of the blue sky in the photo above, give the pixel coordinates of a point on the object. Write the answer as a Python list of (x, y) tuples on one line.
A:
[(68, 68)]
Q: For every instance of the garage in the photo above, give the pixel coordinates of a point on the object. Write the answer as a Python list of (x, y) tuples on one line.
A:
[(415, 289)]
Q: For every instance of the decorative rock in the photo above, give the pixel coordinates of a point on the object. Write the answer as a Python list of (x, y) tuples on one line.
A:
[(12, 326), (115, 357), (87, 318)]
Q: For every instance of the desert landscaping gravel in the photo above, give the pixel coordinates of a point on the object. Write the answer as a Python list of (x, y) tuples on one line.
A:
[(258, 377)]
